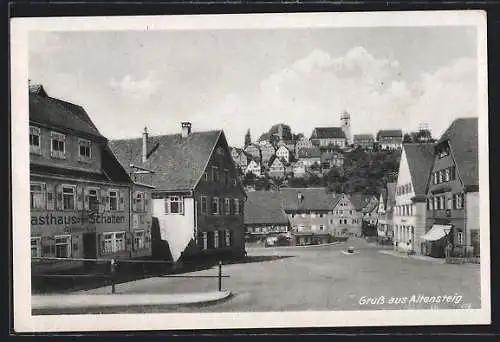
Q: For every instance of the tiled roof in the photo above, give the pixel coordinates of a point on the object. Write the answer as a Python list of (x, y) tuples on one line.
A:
[(390, 133), (313, 199), (66, 172), (358, 137), (264, 207), (178, 162), (462, 137), (309, 153), (264, 136), (328, 133), (419, 158), (60, 114)]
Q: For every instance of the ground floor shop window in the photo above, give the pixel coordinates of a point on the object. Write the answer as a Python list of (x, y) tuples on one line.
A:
[(139, 239), (36, 247), (114, 242), (63, 246)]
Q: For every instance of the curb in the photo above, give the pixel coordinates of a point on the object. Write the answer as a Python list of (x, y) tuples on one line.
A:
[(405, 256), (306, 246), (101, 301)]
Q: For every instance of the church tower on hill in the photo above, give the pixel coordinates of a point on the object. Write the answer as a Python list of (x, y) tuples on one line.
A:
[(345, 119)]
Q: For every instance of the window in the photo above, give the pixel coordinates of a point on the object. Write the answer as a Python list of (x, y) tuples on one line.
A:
[(139, 239), (341, 212), (35, 140), (36, 247), (447, 175), (440, 176), (441, 202), (205, 176), (57, 145), (228, 237), (345, 221), (321, 227), (93, 199), (139, 202), (84, 150), (448, 203), (204, 204), (174, 205), (114, 242), (458, 201), (68, 197), (350, 212), (453, 173), (436, 203), (236, 207), (301, 227), (113, 200), (435, 178), (353, 221), (226, 177), (63, 246), (216, 239), (460, 238), (215, 206), (227, 206), (37, 196), (234, 182), (215, 173)]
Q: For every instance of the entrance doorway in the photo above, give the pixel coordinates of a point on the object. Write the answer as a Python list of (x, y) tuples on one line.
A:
[(89, 248)]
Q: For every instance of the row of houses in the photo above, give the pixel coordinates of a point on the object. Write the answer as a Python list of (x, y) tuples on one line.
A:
[(167, 196), (307, 215), (434, 204)]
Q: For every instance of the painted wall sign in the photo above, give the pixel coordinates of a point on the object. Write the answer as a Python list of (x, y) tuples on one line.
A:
[(51, 219)]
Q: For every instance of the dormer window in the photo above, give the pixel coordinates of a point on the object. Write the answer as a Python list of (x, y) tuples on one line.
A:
[(84, 150), (35, 140), (58, 145)]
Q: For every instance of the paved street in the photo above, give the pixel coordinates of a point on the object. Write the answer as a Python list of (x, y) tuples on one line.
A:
[(324, 278)]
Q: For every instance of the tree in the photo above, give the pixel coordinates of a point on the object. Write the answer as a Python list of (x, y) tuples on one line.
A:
[(274, 140), (248, 138)]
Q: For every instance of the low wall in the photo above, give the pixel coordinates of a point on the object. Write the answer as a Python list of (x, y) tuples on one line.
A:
[(472, 260)]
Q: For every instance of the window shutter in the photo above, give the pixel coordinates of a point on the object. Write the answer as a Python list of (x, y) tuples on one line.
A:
[(50, 197), (121, 200), (59, 197), (79, 197)]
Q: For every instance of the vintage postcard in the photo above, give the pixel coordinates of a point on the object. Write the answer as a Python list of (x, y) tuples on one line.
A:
[(250, 171)]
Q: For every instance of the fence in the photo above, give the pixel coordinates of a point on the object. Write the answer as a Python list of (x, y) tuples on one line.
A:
[(114, 271)]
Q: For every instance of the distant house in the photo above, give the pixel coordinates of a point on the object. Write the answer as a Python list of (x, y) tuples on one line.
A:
[(309, 212), (264, 215), (328, 136), (299, 169), (276, 168), (302, 143), (390, 139), (266, 152), (240, 158), (309, 156), (197, 199), (366, 206), (346, 218), (253, 150), (283, 153), (453, 192), (387, 202), (331, 159), (364, 141), (410, 213), (254, 167)]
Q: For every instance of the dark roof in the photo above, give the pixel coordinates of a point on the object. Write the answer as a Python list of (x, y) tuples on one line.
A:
[(264, 207), (360, 201), (56, 113), (363, 137), (178, 162), (386, 133), (419, 158), (313, 199), (327, 132), (264, 136), (463, 140), (391, 194), (309, 153)]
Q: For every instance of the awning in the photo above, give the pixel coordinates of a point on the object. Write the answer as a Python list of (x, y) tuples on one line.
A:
[(436, 232)]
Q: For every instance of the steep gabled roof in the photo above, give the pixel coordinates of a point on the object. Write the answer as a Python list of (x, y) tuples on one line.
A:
[(363, 137), (419, 158), (264, 207), (56, 113), (178, 162), (462, 136), (390, 133), (328, 133), (313, 199)]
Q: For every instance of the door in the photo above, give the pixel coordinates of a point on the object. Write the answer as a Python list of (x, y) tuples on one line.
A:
[(89, 247)]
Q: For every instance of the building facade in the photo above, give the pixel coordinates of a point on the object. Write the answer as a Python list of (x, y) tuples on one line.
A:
[(253, 150), (198, 199), (387, 202), (276, 168), (365, 141), (283, 153), (328, 136), (411, 189), (453, 192), (391, 139), (346, 219), (303, 142), (83, 204), (309, 157), (267, 151), (254, 167)]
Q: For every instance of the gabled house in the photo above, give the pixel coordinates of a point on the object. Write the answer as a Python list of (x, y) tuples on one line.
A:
[(366, 206), (330, 160), (309, 156), (411, 190), (346, 218), (303, 142), (365, 141), (253, 150), (453, 192), (264, 215), (254, 167), (83, 203), (299, 169), (276, 168), (267, 151), (198, 199), (283, 153), (390, 139), (328, 136), (387, 202), (240, 158)]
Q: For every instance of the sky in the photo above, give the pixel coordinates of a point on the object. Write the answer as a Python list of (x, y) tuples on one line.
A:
[(386, 78)]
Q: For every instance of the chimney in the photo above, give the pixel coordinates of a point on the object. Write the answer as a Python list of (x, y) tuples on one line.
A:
[(186, 129), (145, 145)]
